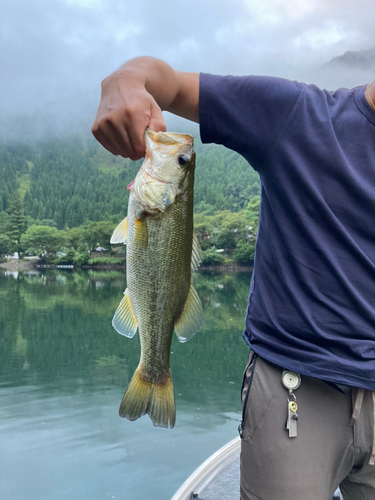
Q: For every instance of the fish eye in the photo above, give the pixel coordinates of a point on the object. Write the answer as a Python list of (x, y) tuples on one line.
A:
[(183, 160)]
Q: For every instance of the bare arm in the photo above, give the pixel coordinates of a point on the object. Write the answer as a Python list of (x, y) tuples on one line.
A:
[(133, 98)]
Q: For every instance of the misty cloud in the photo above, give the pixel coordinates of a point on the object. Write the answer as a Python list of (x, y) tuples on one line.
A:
[(54, 53)]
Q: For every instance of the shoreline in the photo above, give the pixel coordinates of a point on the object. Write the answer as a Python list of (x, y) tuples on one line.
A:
[(18, 265), (27, 265), (232, 268)]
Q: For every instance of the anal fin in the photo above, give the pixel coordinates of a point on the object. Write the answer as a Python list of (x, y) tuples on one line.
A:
[(192, 317), (124, 320)]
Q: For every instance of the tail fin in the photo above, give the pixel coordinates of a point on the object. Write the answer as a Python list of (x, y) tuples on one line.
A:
[(143, 397)]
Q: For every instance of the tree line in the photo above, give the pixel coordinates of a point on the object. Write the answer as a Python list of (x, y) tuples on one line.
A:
[(69, 195)]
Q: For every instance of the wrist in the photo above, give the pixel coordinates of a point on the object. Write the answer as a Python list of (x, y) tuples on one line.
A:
[(124, 77)]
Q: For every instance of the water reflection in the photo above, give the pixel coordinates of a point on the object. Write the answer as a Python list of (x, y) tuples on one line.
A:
[(62, 375)]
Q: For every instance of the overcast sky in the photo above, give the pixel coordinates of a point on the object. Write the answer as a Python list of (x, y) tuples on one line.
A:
[(54, 53)]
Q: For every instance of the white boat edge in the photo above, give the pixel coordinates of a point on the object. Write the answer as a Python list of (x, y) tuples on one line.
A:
[(204, 474)]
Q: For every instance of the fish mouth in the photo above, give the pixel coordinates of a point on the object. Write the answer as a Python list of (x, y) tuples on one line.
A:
[(168, 138), (167, 143)]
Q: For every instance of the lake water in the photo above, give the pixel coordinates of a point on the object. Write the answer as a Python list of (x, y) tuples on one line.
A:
[(64, 369)]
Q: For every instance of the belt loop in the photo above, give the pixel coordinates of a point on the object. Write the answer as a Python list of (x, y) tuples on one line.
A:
[(357, 405)]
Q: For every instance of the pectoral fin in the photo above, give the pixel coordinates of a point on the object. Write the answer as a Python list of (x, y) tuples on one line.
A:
[(120, 234), (192, 317), (124, 320), (196, 254)]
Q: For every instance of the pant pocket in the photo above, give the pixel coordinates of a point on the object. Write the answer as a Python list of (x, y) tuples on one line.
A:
[(247, 374), (263, 380), (245, 388)]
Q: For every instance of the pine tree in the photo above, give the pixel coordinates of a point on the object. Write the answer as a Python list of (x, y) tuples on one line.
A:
[(17, 221), (5, 243)]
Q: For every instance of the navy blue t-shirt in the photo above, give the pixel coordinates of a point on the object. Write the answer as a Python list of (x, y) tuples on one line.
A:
[(312, 295)]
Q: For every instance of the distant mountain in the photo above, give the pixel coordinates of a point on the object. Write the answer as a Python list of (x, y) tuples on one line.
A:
[(74, 181), (362, 59)]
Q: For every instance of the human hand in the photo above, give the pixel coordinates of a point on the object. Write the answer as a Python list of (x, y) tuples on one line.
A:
[(126, 109)]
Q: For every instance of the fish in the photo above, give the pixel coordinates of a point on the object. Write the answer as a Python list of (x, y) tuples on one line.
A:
[(161, 255)]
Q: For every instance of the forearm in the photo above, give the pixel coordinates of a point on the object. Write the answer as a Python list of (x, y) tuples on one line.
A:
[(174, 91), (156, 76), (132, 99)]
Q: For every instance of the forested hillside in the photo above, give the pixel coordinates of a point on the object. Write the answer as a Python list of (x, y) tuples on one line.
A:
[(362, 59), (68, 184), (15, 163)]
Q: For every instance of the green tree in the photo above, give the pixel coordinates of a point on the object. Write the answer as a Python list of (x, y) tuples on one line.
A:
[(75, 238), (17, 222), (232, 229), (42, 240), (244, 252), (47, 222), (252, 211), (98, 234), (5, 242), (204, 228), (5, 245), (211, 257)]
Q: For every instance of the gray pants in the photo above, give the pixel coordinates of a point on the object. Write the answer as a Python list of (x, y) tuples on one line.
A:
[(330, 450)]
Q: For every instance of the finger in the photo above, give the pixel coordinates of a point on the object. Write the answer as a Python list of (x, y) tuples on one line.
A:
[(103, 132), (154, 120), (137, 139), (128, 143), (135, 132), (106, 144), (121, 140), (157, 123)]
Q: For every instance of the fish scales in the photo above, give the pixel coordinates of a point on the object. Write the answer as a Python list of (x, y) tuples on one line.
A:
[(161, 254), (163, 268)]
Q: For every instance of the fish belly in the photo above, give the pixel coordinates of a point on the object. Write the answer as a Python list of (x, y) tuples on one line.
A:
[(158, 278)]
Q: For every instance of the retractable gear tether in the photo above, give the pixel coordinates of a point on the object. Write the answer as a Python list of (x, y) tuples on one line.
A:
[(291, 381)]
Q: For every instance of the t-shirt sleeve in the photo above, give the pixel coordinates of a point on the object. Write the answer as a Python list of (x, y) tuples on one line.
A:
[(245, 114)]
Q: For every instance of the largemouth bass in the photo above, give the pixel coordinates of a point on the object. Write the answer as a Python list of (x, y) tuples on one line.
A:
[(162, 251)]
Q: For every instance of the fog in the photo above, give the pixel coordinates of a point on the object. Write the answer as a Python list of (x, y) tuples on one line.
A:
[(54, 53)]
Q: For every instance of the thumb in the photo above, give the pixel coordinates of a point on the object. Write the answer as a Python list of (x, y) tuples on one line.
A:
[(157, 123)]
